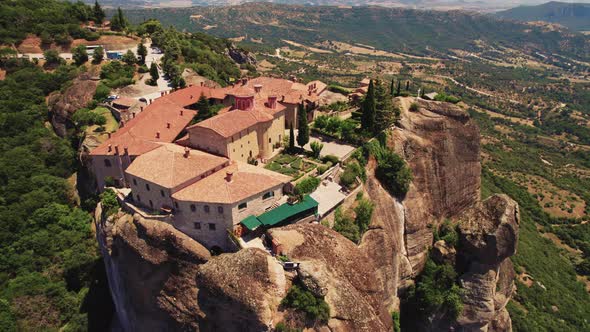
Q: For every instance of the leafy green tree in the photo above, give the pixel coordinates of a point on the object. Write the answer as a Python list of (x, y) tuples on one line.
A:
[(98, 13), (46, 38), (80, 55), (129, 58), (393, 172), (345, 225), (369, 109), (303, 128), (142, 52), (303, 300), (291, 138), (98, 55)]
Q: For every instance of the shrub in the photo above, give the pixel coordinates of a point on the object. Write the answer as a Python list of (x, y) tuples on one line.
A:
[(303, 300), (396, 319), (307, 185), (143, 69), (109, 202), (393, 173), (351, 172), (414, 107), (330, 159), (316, 148), (338, 89), (102, 92), (363, 211), (345, 225)]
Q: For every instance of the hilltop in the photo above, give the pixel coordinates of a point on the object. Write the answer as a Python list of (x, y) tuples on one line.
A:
[(575, 16)]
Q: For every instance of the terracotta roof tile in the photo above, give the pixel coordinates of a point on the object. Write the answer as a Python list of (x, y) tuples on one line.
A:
[(168, 167), (232, 122), (246, 181)]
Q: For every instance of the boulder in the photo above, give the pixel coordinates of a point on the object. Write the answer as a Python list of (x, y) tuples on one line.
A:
[(63, 104)]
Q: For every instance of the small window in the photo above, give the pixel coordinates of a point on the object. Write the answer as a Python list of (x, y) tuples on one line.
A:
[(138, 198), (135, 182), (176, 205), (220, 209), (268, 195), (147, 186), (206, 208), (270, 140), (197, 225), (242, 206), (107, 163), (162, 193), (193, 207), (211, 227), (151, 204)]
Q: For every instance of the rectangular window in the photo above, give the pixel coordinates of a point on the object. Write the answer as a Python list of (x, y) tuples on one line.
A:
[(197, 225), (220, 209), (268, 195), (147, 187), (135, 182), (193, 207), (211, 227), (242, 206), (206, 208), (107, 163), (162, 193)]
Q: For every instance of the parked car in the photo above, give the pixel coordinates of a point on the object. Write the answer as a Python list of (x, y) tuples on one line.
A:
[(290, 266), (112, 97)]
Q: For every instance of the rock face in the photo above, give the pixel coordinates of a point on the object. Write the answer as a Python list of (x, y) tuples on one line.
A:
[(63, 105), (162, 280), (489, 233), (241, 56)]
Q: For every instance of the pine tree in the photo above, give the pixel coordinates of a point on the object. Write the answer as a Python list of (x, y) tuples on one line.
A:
[(129, 58), (369, 109), (399, 88), (98, 13), (303, 133), (80, 55), (203, 108), (118, 23), (385, 113), (98, 55), (142, 52), (291, 138)]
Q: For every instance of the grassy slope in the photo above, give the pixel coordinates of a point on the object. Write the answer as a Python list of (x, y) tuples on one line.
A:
[(575, 16)]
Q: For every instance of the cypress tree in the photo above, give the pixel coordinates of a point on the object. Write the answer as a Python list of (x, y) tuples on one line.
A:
[(303, 133), (369, 109), (142, 52), (118, 22), (291, 138), (154, 73), (392, 88), (203, 108), (385, 113), (98, 13), (407, 85), (399, 87)]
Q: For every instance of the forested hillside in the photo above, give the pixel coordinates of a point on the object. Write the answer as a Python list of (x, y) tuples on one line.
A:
[(575, 16), (391, 29)]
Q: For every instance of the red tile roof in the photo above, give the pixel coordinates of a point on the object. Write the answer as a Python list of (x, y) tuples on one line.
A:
[(169, 167), (231, 123), (246, 181), (161, 121)]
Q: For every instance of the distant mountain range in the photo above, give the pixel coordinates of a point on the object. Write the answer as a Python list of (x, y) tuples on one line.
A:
[(575, 16), (473, 5)]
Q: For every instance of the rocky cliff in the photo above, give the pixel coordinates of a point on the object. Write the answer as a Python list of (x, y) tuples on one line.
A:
[(63, 104), (163, 280)]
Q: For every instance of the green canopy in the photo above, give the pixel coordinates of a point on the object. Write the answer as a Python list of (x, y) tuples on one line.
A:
[(251, 223), (283, 213)]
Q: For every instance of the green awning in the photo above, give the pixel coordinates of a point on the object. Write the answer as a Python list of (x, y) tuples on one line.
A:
[(287, 211), (251, 223)]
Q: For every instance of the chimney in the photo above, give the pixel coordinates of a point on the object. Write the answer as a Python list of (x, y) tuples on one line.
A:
[(126, 150), (181, 112), (202, 83), (122, 124), (283, 98), (110, 147), (272, 102), (191, 96), (187, 152), (157, 134), (133, 115), (141, 108), (116, 149), (228, 176), (258, 88), (162, 93), (109, 136), (151, 100), (168, 125)]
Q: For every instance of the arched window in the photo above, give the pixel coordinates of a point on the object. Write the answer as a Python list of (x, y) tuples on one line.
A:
[(206, 208), (220, 209), (138, 198), (162, 193), (135, 182), (193, 207), (147, 186)]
